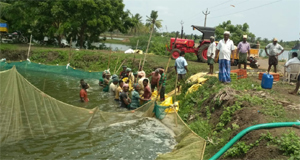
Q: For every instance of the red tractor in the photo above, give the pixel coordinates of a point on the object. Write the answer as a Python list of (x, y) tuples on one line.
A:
[(188, 45)]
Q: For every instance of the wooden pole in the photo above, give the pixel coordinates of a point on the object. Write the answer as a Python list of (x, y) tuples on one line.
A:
[(116, 65), (121, 65), (140, 64), (92, 117), (147, 46), (137, 43), (109, 60), (70, 53), (29, 46)]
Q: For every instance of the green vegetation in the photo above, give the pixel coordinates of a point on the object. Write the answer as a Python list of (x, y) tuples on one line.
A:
[(199, 109)]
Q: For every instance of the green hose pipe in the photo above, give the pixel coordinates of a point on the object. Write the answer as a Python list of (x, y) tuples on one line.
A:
[(255, 127)]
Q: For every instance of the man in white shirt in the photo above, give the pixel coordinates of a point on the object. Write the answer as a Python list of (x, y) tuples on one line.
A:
[(274, 49), (293, 60), (181, 68), (211, 54), (226, 48)]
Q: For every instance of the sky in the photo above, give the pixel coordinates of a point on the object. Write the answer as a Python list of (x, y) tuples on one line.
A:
[(266, 18)]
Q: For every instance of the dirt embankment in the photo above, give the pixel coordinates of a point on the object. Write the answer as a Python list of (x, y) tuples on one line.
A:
[(251, 114)]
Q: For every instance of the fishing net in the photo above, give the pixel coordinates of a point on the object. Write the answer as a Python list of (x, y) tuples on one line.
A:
[(190, 145), (63, 70), (28, 112)]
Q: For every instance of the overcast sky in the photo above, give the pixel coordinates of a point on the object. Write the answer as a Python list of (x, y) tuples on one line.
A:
[(266, 18)]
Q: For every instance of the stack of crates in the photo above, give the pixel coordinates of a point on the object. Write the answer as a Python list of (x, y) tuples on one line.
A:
[(241, 73), (233, 76), (276, 76)]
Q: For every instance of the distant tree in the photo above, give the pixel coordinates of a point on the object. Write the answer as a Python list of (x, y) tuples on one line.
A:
[(137, 22), (236, 32)]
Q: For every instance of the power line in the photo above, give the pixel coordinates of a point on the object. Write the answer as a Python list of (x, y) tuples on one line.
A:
[(229, 6), (220, 4), (246, 9)]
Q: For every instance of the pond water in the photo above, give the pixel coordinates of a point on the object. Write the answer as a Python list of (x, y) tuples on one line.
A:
[(283, 56), (137, 139)]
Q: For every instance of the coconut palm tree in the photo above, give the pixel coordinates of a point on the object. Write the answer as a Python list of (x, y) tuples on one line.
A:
[(152, 20), (137, 21)]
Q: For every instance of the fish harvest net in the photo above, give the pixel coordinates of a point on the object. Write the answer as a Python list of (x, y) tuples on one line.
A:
[(27, 112)]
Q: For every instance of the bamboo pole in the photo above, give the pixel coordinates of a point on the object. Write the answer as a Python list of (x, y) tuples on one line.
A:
[(140, 64), (121, 65), (116, 65), (92, 117), (109, 59), (137, 43), (147, 47), (70, 53), (29, 46)]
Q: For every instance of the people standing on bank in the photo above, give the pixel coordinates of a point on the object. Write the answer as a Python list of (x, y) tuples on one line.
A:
[(275, 50), (211, 54), (226, 48), (243, 49), (181, 68)]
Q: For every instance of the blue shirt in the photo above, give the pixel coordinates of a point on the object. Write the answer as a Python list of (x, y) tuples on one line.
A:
[(180, 63)]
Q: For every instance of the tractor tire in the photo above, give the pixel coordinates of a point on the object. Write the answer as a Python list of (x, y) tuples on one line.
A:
[(175, 53), (202, 55)]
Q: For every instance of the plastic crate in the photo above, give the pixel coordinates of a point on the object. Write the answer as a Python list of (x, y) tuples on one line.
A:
[(276, 76), (241, 73)]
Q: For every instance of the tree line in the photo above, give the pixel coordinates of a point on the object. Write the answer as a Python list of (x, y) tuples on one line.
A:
[(79, 20)]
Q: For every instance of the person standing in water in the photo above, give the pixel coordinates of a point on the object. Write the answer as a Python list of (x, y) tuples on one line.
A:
[(147, 91), (123, 74), (106, 82), (83, 93), (135, 102), (155, 77), (124, 98), (119, 90), (101, 80), (113, 86)]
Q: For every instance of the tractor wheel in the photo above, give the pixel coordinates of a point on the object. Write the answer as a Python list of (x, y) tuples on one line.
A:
[(202, 53), (175, 53)]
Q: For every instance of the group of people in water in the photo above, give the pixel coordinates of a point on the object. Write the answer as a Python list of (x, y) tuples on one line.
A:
[(129, 89)]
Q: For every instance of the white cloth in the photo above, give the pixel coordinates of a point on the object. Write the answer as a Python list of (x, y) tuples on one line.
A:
[(274, 49), (112, 89), (294, 60), (211, 50), (129, 51), (180, 63), (225, 49)]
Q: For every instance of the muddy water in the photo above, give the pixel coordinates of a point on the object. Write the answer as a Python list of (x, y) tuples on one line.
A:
[(137, 139)]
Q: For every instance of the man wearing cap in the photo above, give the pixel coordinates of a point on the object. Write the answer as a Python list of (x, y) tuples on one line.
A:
[(123, 74), (274, 49), (113, 86), (226, 48), (211, 54), (243, 48)]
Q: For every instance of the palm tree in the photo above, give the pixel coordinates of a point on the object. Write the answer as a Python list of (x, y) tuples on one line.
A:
[(137, 21), (152, 20)]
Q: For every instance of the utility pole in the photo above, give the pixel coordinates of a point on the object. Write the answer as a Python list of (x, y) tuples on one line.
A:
[(181, 22), (205, 16)]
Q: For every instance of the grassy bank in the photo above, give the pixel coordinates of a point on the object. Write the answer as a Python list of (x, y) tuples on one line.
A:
[(218, 112), (97, 60)]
